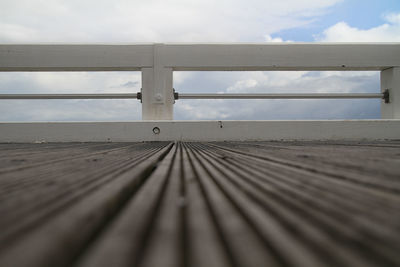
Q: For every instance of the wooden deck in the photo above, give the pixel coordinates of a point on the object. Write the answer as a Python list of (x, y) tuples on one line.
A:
[(200, 204)]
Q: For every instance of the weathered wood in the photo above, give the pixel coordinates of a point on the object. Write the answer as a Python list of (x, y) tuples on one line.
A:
[(200, 204), (56, 185), (56, 242), (124, 243), (284, 205), (242, 243)]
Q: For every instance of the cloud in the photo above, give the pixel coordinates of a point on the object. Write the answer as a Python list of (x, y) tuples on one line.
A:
[(70, 110), (393, 18), (280, 82), (276, 109), (15, 32), (130, 84), (270, 39), (342, 32), (153, 20), (69, 82)]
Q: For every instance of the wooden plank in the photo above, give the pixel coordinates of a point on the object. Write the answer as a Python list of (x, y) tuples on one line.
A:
[(204, 247), (242, 242), (349, 158), (54, 187), (244, 179), (360, 181), (59, 244), (124, 243), (201, 204)]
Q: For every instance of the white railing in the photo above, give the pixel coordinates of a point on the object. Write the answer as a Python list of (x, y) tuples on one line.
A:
[(158, 61)]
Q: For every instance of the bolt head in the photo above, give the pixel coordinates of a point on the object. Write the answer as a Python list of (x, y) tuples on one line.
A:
[(158, 97), (156, 130)]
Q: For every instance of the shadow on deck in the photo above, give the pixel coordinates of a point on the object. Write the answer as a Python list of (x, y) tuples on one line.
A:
[(200, 204)]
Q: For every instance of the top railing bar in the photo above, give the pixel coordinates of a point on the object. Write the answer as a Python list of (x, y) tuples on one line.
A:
[(75, 57), (281, 57), (200, 57)]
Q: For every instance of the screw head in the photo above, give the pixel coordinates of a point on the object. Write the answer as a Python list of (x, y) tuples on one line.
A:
[(158, 97)]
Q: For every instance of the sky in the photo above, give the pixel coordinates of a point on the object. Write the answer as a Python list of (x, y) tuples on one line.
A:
[(261, 21)]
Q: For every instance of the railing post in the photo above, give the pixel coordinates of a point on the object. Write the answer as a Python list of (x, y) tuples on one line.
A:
[(390, 79), (152, 107), (157, 89)]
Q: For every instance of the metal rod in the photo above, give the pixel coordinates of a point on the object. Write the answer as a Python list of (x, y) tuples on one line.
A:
[(69, 96), (193, 96), (278, 96)]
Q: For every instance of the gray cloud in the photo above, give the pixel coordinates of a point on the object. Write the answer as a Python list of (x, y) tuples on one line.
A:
[(279, 82), (70, 110), (130, 84), (69, 82)]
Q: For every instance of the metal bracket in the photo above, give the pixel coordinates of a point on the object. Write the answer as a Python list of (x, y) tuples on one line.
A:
[(139, 95), (176, 95), (386, 96)]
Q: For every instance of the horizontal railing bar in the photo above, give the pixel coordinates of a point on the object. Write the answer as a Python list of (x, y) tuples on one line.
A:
[(200, 57), (69, 96), (280, 96), (194, 96)]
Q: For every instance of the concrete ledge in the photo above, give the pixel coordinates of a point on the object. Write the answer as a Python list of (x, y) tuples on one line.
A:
[(199, 131)]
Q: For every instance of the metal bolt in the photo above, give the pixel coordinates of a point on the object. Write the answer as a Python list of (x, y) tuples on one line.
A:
[(158, 97), (386, 96), (156, 130)]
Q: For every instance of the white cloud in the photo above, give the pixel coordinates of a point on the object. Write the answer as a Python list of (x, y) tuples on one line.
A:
[(393, 18), (342, 32), (19, 33), (269, 38), (152, 20), (242, 86)]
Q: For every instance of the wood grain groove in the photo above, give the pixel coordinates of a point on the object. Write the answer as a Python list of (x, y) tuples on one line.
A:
[(201, 204)]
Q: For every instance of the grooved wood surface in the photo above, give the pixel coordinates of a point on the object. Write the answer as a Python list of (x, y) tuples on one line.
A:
[(200, 204)]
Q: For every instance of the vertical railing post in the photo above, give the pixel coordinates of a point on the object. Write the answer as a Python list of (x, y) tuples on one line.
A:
[(390, 80), (157, 89)]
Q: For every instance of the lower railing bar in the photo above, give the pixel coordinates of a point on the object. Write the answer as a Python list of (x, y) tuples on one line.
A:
[(278, 96), (70, 96), (138, 95)]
